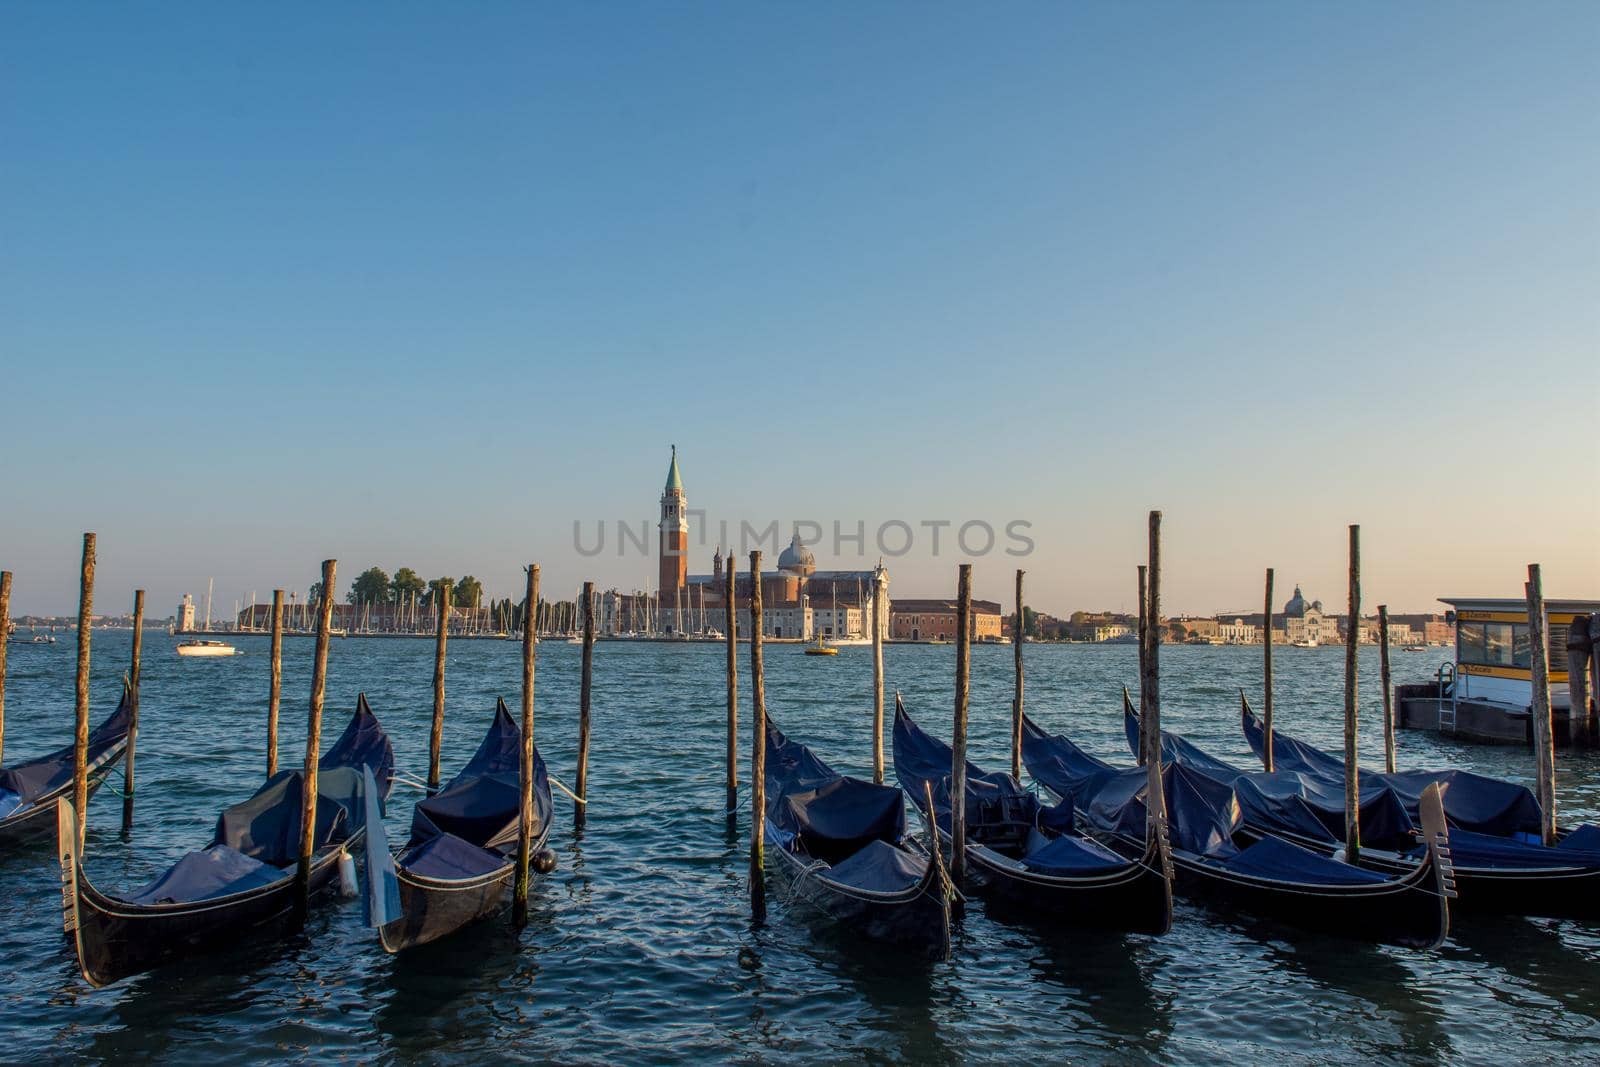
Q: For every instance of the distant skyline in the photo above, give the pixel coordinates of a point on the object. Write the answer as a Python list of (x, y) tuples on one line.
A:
[(424, 287)]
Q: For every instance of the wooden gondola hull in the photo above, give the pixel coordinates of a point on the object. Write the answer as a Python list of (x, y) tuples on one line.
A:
[(1137, 899), (1409, 911), (433, 909), (1561, 893), (116, 939), (918, 918)]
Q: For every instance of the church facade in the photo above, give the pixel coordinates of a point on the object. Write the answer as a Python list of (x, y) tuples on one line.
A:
[(798, 601)]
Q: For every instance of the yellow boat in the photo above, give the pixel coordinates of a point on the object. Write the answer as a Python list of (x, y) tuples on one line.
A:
[(820, 649)]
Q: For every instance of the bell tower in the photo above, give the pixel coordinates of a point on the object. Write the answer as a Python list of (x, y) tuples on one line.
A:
[(674, 527)]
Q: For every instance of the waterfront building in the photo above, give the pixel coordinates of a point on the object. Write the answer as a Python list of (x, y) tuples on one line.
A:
[(1099, 626), (1236, 631), (185, 618), (798, 601), (927, 619)]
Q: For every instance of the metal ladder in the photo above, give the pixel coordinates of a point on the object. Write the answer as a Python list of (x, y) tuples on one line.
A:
[(1446, 676)]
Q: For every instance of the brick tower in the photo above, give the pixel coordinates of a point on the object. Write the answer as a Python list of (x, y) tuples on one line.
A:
[(674, 527)]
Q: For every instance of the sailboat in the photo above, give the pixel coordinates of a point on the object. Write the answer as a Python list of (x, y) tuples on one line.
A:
[(206, 648), (847, 638)]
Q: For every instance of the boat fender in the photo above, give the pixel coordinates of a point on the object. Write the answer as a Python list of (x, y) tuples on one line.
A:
[(544, 861), (1340, 855), (347, 875)]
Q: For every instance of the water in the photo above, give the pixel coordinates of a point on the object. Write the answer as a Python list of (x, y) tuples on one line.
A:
[(640, 947)]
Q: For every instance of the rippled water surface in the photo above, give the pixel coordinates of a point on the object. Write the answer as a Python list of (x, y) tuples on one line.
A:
[(640, 947)]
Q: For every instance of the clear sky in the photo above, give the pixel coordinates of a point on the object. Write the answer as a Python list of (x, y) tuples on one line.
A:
[(423, 284)]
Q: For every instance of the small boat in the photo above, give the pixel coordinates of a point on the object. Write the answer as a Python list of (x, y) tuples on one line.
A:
[(1267, 875), (1415, 648), (28, 791), (458, 864), (821, 649), (205, 648), (1028, 857), (243, 881), (840, 844), (1501, 863)]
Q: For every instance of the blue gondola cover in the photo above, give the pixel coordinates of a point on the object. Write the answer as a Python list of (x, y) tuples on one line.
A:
[(38, 777), (1471, 801)]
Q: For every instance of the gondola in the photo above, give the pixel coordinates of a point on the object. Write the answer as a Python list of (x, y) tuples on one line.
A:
[(839, 843), (1269, 876), (1502, 865), (1028, 858), (458, 864), (242, 883), (29, 791)]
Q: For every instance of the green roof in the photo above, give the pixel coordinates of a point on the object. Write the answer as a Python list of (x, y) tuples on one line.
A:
[(674, 479)]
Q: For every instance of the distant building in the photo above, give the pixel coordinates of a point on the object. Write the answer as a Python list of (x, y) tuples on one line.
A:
[(935, 620), (185, 620), (1099, 626), (1236, 631), (797, 600), (1196, 629), (1427, 628)]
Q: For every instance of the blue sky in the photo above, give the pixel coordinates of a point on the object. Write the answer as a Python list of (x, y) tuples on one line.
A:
[(423, 285)]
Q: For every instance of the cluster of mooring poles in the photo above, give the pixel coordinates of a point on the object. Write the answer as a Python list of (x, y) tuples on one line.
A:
[(1583, 662), (84, 778), (963, 681)]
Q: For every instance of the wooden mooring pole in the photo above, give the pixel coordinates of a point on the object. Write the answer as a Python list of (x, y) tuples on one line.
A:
[(308, 790), (1266, 666), (1580, 648), (1144, 649), (758, 751), (1543, 735), (580, 784), (133, 709), (519, 888), (1150, 686), (958, 736), (275, 682), (5, 639), (1385, 680), (1017, 633), (730, 621), (441, 640), (1352, 770), (878, 579), (80, 745)]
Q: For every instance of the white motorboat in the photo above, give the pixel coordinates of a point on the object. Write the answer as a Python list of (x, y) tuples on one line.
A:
[(206, 648)]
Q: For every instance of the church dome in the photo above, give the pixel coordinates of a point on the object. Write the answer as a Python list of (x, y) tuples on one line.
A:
[(1296, 607), (797, 557)]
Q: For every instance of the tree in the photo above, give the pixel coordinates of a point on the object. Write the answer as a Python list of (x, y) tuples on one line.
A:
[(1179, 632), (434, 585), (1030, 621), (370, 587), (405, 583), (469, 592), (314, 594)]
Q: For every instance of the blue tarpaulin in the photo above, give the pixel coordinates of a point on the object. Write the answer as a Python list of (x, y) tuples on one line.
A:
[(1293, 803), (46, 774), (1471, 801), (465, 828)]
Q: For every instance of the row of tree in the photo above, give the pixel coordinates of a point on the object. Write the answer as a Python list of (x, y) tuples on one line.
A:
[(374, 586)]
